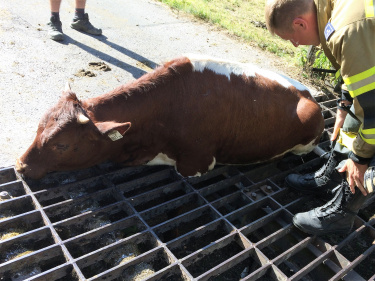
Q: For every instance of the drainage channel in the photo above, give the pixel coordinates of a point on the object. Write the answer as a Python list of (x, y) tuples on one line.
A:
[(148, 223)]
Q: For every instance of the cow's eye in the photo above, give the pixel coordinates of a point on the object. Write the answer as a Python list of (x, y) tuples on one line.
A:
[(60, 146)]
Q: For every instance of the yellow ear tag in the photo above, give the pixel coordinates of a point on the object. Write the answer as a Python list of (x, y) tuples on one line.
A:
[(114, 135)]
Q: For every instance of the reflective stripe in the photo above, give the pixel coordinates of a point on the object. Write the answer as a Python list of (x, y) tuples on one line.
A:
[(370, 8), (368, 132), (361, 82), (368, 135), (356, 92)]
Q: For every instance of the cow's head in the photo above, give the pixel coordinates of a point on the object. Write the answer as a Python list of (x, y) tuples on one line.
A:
[(68, 139)]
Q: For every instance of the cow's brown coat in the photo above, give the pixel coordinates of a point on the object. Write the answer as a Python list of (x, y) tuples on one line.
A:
[(190, 116)]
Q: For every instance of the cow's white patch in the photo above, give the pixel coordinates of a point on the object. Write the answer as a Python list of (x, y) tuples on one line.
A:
[(198, 174), (226, 67), (303, 149), (162, 159), (299, 149)]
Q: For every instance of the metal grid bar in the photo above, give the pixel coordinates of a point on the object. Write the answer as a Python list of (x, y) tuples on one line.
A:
[(115, 223)]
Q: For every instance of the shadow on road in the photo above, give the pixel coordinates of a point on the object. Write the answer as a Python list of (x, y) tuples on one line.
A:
[(135, 71)]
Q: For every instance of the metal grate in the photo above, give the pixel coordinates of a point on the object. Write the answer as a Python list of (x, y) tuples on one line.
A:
[(115, 223)]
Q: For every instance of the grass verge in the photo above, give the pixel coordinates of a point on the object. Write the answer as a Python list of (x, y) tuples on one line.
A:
[(242, 18), (245, 19)]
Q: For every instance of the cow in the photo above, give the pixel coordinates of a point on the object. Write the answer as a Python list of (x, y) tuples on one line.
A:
[(192, 112)]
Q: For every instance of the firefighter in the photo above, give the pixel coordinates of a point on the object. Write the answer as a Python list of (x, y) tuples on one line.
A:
[(345, 30)]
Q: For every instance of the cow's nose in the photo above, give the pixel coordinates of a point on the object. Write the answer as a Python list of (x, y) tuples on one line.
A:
[(20, 167)]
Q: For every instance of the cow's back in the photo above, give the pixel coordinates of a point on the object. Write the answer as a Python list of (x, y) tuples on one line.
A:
[(239, 114)]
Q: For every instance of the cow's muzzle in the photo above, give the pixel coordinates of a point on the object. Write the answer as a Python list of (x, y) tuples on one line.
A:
[(20, 167), (30, 171)]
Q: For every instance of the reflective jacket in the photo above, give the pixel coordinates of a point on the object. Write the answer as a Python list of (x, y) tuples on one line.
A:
[(347, 36)]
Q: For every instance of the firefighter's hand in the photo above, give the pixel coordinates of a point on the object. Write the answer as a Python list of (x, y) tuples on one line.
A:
[(355, 175), (340, 118)]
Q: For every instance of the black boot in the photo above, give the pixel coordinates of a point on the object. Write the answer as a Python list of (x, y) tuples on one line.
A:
[(318, 182), (336, 216)]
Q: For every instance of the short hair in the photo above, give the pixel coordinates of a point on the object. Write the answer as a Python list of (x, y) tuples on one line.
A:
[(280, 14)]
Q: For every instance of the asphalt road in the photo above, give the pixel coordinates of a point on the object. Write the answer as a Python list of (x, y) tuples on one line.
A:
[(137, 36)]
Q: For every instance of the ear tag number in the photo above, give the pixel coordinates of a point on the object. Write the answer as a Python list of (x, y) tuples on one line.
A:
[(114, 135)]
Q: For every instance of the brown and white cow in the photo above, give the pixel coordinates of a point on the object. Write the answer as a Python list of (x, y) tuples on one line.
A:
[(192, 112)]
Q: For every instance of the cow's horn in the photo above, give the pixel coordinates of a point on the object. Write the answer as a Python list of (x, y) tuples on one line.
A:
[(82, 119), (67, 87)]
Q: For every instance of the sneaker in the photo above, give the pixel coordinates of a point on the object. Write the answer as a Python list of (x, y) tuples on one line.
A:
[(55, 30), (85, 26)]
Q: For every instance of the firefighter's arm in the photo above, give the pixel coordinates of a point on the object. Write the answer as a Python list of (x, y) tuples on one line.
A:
[(343, 105)]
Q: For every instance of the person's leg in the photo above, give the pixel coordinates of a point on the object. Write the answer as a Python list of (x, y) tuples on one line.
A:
[(55, 5), (79, 10), (337, 215), (55, 30), (81, 20), (80, 4)]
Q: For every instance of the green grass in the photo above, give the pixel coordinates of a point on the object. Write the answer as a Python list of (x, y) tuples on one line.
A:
[(245, 19), (242, 18)]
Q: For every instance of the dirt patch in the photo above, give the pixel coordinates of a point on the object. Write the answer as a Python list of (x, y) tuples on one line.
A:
[(98, 66), (84, 73), (10, 233), (145, 65)]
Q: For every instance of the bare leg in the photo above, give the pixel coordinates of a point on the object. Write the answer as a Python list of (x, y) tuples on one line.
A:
[(55, 5), (80, 4)]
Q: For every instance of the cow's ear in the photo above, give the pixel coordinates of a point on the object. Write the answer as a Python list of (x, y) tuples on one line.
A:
[(113, 130)]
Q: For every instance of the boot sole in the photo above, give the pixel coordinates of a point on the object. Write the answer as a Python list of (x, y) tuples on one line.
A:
[(317, 233), (57, 38), (83, 30)]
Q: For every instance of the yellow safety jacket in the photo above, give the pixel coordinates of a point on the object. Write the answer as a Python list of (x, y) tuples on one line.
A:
[(347, 36)]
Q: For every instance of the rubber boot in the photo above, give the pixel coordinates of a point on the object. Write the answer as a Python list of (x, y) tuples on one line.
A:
[(317, 182), (336, 216)]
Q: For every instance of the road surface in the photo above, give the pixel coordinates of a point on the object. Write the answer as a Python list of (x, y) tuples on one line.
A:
[(137, 36)]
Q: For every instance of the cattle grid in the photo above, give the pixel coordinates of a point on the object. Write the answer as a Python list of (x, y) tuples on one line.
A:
[(114, 223)]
